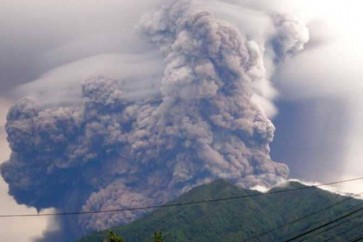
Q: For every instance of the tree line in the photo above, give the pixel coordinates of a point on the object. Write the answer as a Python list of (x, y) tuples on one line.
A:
[(113, 237)]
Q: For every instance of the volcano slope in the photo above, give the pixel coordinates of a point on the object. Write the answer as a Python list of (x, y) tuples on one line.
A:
[(236, 214)]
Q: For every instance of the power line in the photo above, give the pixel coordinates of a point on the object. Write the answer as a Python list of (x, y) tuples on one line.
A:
[(320, 222), (334, 226), (324, 225), (308, 226), (257, 236), (342, 233), (357, 239), (178, 204)]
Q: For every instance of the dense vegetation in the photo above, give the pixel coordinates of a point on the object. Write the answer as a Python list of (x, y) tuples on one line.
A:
[(244, 219)]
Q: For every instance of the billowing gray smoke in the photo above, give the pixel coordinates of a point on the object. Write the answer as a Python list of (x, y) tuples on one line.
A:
[(290, 36), (110, 151)]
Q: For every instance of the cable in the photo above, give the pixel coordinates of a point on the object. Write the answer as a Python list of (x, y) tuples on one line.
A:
[(308, 226), (334, 226), (342, 233), (178, 204), (357, 239), (324, 225), (299, 219)]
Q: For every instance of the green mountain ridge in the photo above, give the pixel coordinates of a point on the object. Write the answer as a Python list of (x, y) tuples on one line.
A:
[(249, 214)]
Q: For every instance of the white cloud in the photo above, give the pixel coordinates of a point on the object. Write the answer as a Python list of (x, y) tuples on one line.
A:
[(332, 69), (40, 35), (139, 73)]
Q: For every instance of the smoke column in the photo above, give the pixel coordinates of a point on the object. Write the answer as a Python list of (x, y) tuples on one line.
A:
[(115, 149)]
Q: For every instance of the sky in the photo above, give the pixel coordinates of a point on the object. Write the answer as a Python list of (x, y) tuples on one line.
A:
[(325, 83), (318, 92)]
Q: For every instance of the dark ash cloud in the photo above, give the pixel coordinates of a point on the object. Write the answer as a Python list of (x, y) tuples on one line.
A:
[(109, 150)]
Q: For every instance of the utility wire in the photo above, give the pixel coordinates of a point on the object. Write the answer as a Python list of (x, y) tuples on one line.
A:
[(328, 227), (324, 225), (178, 204), (334, 226), (319, 222), (342, 233), (288, 223), (357, 239)]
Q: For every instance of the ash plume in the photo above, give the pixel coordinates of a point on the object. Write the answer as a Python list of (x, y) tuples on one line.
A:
[(110, 151), (290, 37)]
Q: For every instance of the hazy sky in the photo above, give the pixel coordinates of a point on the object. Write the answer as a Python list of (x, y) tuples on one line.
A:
[(319, 132)]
